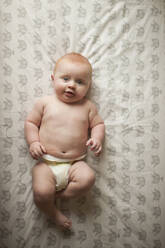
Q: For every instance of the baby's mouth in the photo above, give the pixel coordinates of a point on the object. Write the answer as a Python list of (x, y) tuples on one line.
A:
[(69, 93)]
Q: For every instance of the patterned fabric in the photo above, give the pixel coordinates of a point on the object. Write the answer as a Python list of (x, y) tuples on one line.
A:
[(125, 42)]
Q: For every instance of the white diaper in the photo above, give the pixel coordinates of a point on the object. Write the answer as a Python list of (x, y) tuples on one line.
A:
[(60, 168)]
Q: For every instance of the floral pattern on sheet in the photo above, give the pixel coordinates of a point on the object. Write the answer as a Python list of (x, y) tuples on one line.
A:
[(124, 40)]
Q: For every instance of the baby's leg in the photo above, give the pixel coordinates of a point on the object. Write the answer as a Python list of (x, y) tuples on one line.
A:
[(81, 179), (43, 182)]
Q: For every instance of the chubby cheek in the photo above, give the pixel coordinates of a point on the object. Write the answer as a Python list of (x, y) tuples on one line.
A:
[(56, 83), (84, 92), (59, 89), (81, 95)]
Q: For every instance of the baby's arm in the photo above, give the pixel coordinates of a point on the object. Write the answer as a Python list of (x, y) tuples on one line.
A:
[(97, 131), (32, 125)]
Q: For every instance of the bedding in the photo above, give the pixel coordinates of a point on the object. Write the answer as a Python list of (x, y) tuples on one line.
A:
[(125, 42)]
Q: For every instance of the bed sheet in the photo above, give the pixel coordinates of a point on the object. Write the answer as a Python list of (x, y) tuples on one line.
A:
[(125, 42)]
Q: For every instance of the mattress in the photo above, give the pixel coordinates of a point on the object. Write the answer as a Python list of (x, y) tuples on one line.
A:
[(125, 42)]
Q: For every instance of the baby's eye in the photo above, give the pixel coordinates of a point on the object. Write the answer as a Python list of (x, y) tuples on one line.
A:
[(66, 78), (79, 81)]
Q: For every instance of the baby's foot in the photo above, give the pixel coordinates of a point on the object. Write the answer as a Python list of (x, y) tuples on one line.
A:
[(61, 220)]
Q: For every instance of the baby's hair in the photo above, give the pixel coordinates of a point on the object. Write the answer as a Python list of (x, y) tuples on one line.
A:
[(74, 57)]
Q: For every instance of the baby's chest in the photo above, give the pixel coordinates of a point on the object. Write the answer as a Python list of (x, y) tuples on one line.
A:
[(66, 116)]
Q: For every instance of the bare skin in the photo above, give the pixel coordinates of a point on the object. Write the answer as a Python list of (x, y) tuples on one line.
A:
[(58, 125), (41, 173)]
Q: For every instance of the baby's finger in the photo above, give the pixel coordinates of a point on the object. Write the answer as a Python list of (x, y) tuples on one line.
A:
[(43, 148), (33, 155), (97, 153), (89, 142), (39, 152), (94, 146)]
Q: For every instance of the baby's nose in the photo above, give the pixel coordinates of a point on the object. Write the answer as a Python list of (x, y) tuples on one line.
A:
[(71, 84)]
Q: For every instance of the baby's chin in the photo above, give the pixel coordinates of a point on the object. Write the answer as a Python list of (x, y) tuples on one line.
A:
[(71, 99)]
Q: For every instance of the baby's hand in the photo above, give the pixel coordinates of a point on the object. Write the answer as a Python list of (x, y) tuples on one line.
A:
[(95, 146), (37, 149)]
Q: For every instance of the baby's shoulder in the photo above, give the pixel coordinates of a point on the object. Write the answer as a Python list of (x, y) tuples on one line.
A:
[(41, 102), (90, 105), (44, 99)]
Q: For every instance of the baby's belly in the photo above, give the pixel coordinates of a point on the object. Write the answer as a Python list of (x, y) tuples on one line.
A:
[(64, 146), (67, 154)]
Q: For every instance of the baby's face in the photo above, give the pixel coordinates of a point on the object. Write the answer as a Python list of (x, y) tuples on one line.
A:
[(71, 80)]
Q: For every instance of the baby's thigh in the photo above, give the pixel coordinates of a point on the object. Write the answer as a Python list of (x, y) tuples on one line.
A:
[(81, 173), (42, 178)]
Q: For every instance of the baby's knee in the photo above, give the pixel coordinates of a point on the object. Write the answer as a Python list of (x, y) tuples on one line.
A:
[(42, 195), (89, 180), (92, 178)]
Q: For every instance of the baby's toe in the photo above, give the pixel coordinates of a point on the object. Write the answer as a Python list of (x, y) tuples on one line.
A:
[(68, 224)]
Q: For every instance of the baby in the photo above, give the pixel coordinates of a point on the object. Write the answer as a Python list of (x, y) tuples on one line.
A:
[(57, 132)]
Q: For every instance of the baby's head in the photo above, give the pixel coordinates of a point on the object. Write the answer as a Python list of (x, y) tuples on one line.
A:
[(75, 58), (72, 77)]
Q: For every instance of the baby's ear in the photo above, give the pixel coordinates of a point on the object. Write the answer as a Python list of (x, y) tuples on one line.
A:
[(52, 77)]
